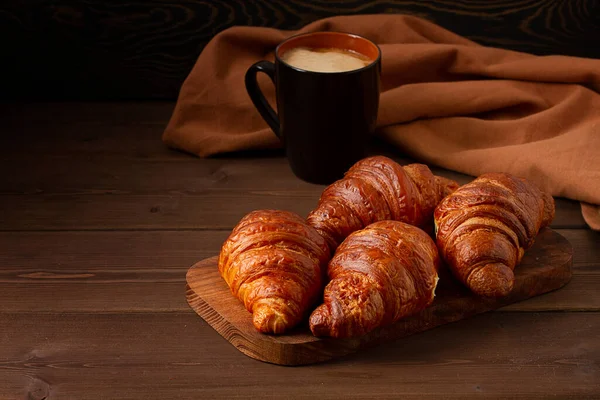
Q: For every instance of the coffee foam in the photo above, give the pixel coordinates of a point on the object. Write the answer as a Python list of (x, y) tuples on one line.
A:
[(325, 59)]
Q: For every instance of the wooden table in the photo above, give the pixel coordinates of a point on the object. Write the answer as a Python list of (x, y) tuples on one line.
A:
[(100, 222)]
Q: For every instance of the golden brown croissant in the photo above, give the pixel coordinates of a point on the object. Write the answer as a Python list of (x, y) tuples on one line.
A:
[(378, 275), (377, 189), (484, 228), (274, 263)]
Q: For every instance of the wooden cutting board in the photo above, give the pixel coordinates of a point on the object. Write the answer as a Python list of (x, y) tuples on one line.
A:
[(545, 267)]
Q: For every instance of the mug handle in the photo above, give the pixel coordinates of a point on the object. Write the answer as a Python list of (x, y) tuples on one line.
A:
[(257, 97)]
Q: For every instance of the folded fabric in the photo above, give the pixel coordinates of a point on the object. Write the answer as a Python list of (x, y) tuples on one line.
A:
[(445, 101)]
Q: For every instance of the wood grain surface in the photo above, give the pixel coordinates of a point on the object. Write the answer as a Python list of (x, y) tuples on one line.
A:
[(178, 356), (99, 265), (93, 291), (61, 49)]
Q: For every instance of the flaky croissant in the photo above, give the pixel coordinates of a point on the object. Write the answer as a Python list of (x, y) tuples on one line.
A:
[(377, 189), (274, 263), (484, 228), (377, 276)]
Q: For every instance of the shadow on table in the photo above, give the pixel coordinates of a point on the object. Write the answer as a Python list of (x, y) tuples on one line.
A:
[(484, 338)]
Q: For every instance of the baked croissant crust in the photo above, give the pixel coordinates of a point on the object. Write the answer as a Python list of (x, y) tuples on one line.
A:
[(275, 264), (378, 275), (377, 189), (484, 228)]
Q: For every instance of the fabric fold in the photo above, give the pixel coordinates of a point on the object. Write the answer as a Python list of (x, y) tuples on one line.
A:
[(446, 101)]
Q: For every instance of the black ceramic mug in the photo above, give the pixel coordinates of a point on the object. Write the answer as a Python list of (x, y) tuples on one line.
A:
[(324, 119)]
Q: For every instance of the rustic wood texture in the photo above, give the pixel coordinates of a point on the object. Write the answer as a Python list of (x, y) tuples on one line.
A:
[(178, 356), (545, 267), (94, 306), (138, 50), (102, 263)]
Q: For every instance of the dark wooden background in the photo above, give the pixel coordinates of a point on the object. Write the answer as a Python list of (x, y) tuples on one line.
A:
[(118, 49)]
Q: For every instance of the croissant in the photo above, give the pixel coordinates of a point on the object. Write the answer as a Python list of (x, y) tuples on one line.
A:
[(274, 264), (484, 228), (377, 189), (378, 275)]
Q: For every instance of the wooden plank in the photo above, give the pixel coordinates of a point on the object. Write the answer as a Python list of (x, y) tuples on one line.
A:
[(177, 355), (80, 142), (84, 174), (142, 291), (107, 208), (114, 250), (139, 271), (174, 211), (586, 248), (22, 252)]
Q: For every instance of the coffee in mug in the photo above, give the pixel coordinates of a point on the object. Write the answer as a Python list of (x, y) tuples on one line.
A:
[(327, 87), (325, 59)]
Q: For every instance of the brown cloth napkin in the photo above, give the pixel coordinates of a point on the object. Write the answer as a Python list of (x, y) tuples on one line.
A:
[(446, 101)]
